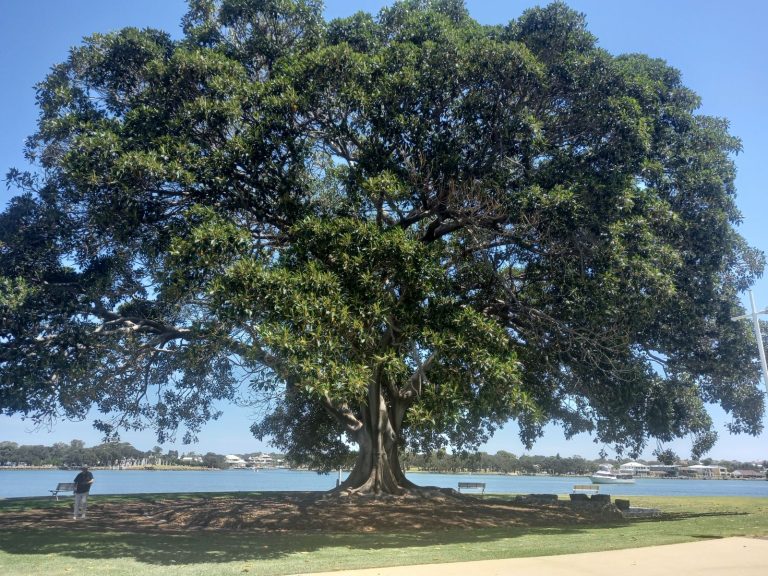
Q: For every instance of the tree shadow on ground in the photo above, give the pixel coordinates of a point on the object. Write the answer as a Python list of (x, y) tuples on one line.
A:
[(175, 530), (203, 547), (678, 516), (301, 512)]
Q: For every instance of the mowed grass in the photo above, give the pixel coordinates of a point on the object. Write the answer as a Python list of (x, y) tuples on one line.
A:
[(61, 551)]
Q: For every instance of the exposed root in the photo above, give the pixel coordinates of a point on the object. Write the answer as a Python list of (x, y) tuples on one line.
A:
[(412, 492)]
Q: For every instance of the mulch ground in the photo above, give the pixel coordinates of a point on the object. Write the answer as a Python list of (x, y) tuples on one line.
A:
[(301, 512)]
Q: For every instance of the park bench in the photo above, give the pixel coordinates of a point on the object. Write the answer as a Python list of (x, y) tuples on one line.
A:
[(62, 487), (472, 486), (586, 489)]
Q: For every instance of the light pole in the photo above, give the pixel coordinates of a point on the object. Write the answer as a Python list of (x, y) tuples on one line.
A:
[(756, 324)]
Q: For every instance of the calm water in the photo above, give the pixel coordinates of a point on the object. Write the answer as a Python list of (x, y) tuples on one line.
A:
[(15, 483)]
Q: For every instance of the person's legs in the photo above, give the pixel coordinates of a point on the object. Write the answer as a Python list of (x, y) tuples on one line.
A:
[(81, 502), (77, 506)]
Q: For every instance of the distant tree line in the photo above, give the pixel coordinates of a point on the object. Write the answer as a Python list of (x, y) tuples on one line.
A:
[(75, 453), (504, 462)]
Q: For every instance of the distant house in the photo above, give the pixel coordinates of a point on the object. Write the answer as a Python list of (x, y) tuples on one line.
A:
[(705, 472), (192, 459), (234, 461), (261, 461), (748, 475), (664, 470), (636, 469)]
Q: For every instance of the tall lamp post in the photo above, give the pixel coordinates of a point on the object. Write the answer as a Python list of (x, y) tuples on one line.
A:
[(756, 324)]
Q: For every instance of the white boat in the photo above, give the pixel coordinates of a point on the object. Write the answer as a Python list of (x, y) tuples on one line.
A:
[(606, 475)]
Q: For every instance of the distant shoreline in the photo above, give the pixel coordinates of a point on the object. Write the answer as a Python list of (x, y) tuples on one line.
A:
[(122, 469), (179, 468)]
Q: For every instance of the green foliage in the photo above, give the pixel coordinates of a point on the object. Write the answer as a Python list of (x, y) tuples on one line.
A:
[(72, 455), (471, 223)]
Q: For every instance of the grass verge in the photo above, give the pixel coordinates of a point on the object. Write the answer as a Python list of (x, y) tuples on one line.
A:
[(62, 551)]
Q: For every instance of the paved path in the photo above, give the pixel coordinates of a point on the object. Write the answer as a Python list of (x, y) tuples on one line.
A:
[(725, 557)]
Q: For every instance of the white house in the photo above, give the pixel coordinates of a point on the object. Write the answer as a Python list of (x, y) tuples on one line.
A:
[(234, 461), (635, 468), (261, 461)]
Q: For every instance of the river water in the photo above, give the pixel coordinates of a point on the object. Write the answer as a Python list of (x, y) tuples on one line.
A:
[(18, 483)]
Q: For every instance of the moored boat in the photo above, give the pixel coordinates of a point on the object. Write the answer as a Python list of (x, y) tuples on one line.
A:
[(607, 475)]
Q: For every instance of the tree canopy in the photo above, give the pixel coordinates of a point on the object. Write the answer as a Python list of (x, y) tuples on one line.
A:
[(398, 230)]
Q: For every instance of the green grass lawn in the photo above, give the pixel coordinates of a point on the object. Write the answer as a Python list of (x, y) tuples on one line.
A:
[(59, 551)]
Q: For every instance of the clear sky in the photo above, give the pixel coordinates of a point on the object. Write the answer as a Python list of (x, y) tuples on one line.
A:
[(720, 47)]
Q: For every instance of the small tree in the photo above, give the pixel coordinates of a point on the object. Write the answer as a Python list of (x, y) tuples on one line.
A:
[(211, 460), (400, 230)]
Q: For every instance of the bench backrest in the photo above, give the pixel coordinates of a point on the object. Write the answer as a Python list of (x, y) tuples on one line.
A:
[(471, 484), (65, 486)]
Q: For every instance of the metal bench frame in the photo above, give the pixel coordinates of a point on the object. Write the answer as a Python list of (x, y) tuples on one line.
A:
[(472, 486), (586, 489), (62, 487)]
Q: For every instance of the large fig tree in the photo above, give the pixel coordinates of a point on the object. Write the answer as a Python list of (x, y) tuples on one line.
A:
[(396, 230)]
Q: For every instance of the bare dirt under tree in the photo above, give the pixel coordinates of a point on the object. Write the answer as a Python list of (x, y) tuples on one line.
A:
[(305, 512)]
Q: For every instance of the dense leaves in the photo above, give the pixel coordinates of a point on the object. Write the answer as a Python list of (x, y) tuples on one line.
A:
[(407, 227)]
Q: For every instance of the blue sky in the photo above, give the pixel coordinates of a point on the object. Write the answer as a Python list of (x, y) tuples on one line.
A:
[(720, 47)]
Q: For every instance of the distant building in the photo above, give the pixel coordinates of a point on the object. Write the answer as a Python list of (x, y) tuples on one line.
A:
[(265, 461), (748, 474), (234, 461), (664, 470), (705, 472), (636, 469)]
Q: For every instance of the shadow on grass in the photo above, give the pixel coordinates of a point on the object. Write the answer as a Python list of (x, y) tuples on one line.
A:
[(205, 547), (109, 539), (678, 516)]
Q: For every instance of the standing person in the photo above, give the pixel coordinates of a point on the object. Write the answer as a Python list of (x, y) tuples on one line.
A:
[(83, 483)]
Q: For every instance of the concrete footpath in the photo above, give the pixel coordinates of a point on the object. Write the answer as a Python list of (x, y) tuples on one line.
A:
[(727, 556)]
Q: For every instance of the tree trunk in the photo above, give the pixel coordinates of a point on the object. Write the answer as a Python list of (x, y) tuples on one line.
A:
[(377, 469)]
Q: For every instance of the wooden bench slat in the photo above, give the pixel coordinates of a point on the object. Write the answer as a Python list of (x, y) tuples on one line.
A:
[(583, 488)]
